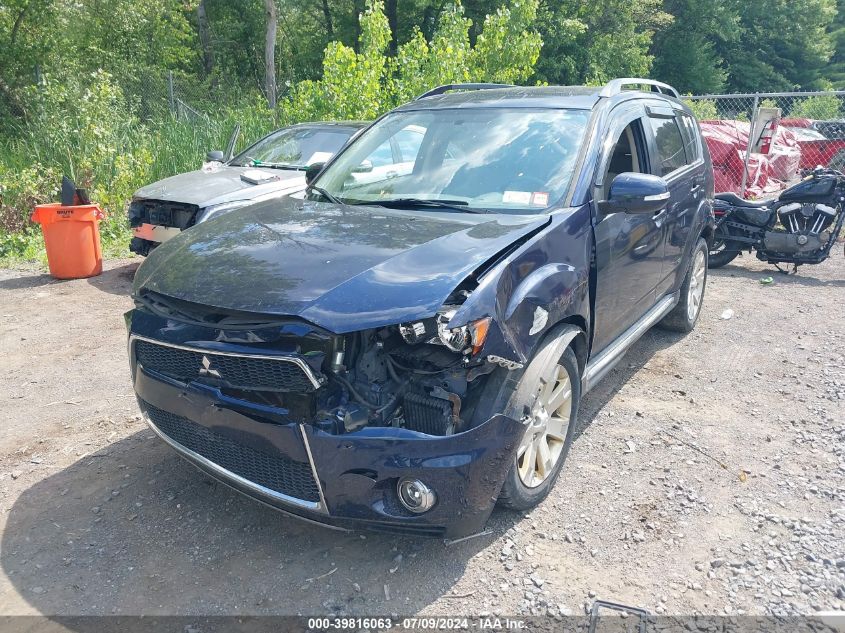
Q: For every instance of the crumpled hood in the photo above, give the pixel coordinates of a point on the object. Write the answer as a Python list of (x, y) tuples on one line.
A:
[(223, 184), (342, 268)]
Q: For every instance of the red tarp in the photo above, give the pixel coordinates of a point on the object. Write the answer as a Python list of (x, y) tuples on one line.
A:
[(767, 173)]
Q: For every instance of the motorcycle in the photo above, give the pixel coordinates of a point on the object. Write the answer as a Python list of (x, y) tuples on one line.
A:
[(810, 215)]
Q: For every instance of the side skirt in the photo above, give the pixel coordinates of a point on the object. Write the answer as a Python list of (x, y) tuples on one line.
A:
[(598, 367)]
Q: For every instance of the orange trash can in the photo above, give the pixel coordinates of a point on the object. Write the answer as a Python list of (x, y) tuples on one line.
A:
[(72, 238)]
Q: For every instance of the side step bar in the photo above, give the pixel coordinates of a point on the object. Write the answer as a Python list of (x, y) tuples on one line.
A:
[(598, 367)]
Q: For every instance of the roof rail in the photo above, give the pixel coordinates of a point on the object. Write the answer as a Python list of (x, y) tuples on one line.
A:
[(443, 89), (615, 86)]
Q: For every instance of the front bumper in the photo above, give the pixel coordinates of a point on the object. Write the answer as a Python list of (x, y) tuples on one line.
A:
[(155, 232), (356, 474)]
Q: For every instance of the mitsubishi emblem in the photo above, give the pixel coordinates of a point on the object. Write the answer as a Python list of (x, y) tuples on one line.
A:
[(206, 369)]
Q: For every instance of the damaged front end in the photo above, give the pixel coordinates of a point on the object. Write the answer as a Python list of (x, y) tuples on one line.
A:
[(380, 428), (417, 376), (156, 221), (345, 364)]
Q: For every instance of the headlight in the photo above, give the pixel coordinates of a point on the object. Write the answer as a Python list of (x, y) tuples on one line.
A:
[(223, 207), (456, 339), (466, 339)]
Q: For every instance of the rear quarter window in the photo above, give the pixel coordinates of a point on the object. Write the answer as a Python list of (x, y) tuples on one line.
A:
[(669, 143), (692, 143)]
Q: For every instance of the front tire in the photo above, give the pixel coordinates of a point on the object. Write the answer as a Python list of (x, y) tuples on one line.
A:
[(546, 397), (684, 316)]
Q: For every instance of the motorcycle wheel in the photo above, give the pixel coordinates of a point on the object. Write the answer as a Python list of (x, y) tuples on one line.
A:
[(722, 253)]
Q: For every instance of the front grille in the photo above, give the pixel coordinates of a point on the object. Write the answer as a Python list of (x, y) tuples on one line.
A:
[(275, 472), (236, 372)]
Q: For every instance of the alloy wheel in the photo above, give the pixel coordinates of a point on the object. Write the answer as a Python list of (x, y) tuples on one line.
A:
[(696, 285), (542, 444)]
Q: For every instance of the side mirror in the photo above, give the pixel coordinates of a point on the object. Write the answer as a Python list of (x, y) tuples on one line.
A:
[(312, 171), (636, 193), (365, 167), (215, 156)]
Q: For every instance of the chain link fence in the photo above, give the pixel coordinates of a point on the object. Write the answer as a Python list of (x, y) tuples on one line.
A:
[(181, 96), (162, 94), (761, 143)]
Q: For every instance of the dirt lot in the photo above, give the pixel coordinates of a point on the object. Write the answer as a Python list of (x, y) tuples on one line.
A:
[(708, 476)]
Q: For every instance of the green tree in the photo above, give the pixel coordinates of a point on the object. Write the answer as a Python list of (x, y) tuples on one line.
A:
[(685, 51), (835, 71), (703, 109), (507, 48), (362, 85), (351, 86), (25, 27), (781, 45), (596, 40), (821, 107)]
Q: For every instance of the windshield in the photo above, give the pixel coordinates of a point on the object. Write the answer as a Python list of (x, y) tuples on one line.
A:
[(294, 148), (516, 160)]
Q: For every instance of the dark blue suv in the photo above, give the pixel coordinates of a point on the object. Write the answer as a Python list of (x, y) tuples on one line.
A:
[(405, 344)]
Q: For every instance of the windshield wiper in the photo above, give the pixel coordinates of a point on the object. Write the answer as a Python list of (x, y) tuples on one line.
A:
[(331, 198), (417, 203), (258, 163)]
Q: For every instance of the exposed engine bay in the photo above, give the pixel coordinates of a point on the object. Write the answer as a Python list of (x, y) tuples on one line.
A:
[(419, 376)]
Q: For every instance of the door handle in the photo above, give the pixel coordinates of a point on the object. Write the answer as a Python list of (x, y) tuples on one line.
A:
[(695, 189)]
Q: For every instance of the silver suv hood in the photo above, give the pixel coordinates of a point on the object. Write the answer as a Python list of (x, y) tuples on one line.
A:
[(222, 184)]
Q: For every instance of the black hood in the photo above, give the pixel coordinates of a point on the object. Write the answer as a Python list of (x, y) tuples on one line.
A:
[(342, 268)]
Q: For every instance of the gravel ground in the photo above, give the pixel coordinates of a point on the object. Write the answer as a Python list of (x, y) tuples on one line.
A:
[(708, 476)]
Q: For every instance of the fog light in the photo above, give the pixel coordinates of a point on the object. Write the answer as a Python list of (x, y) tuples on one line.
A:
[(415, 495)]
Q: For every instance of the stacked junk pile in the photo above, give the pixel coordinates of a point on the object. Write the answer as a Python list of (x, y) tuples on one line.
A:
[(771, 168), (763, 143)]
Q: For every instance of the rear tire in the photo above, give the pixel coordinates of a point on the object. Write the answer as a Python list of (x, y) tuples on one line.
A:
[(684, 316), (547, 396), (722, 253)]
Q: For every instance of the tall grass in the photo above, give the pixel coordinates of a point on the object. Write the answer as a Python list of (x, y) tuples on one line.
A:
[(96, 139), (182, 144)]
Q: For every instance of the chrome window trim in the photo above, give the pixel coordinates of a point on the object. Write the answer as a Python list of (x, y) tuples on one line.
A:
[(227, 475), (315, 381)]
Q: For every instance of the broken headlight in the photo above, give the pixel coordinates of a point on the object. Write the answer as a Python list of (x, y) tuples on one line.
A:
[(466, 339)]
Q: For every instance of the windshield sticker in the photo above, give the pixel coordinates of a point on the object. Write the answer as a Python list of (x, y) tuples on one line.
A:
[(540, 198), (319, 157), (517, 197)]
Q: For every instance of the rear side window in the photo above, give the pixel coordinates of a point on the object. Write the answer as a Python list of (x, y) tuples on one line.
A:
[(691, 143), (670, 145)]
